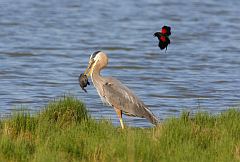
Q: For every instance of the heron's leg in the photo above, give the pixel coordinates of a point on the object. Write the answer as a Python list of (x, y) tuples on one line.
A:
[(119, 113)]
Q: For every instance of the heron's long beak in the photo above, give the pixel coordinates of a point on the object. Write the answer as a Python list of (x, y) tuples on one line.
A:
[(89, 69)]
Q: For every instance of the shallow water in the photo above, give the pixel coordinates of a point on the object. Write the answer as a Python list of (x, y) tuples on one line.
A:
[(45, 45)]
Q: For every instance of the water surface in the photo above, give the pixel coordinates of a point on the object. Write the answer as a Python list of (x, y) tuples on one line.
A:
[(45, 45)]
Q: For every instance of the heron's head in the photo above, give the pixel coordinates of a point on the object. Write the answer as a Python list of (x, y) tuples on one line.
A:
[(99, 59)]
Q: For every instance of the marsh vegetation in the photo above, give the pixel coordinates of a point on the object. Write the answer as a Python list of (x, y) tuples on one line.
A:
[(64, 131)]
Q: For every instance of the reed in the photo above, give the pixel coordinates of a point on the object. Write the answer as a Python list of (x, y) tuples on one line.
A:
[(63, 131)]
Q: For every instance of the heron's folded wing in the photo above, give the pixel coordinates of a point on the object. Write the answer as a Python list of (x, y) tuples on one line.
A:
[(121, 97)]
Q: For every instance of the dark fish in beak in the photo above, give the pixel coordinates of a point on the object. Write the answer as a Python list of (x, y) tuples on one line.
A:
[(83, 81)]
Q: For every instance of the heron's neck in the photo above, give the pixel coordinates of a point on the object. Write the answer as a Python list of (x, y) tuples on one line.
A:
[(96, 76)]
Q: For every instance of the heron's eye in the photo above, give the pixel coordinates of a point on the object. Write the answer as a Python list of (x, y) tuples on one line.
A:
[(91, 57)]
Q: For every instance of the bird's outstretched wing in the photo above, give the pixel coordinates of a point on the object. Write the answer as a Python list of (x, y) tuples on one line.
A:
[(158, 35), (121, 97)]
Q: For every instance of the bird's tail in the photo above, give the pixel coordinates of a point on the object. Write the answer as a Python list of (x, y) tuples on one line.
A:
[(151, 117)]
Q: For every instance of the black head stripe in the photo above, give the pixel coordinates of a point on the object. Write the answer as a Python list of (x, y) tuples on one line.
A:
[(95, 53)]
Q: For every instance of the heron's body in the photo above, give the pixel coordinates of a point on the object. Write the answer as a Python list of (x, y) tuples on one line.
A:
[(115, 94)]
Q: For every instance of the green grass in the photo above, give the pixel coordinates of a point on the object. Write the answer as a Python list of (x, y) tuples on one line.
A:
[(63, 131)]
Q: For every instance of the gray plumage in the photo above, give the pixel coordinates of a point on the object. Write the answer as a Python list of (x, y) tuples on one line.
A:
[(120, 96), (114, 93)]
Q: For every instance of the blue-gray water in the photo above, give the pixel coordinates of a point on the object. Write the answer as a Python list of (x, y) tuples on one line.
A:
[(45, 45)]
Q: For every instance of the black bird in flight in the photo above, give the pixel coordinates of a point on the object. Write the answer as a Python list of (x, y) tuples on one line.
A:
[(163, 37)]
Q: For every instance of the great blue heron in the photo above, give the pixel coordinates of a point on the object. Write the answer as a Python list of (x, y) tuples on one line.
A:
[(114, 93)]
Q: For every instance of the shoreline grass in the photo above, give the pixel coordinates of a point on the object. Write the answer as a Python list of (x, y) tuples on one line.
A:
[(63, 131)]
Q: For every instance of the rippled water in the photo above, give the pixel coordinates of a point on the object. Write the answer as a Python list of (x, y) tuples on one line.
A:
[(45, 45)]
